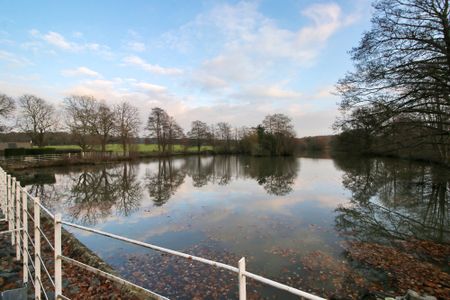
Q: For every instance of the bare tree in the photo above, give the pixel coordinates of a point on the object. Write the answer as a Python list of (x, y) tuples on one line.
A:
[(212, 136), (276, 134), (80, 110), (278, 124), (127, 123), (155, 125), (199, 133), (173, 132), (401, 77), (7, 106), (37, 118), (102, 124), (224, 135)]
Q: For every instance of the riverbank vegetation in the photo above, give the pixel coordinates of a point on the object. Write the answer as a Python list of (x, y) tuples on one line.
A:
[(88, 124), (397, 100)]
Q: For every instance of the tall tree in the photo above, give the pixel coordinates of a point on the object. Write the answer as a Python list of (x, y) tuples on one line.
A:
[(102, 124), (224, 135), (212, 136), (199, 133), (277, 134), (80, 111), (127, 123), (278, 124), (155, 125), (402, 71), (7, 106), (36, 117), (173, 132)]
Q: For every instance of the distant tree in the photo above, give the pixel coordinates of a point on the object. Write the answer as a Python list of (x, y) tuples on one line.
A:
[(212, 136), (173, 132), (401, 76), (276, 135), (155, 125), (127, 123), (224, 135), (102, 124), (278, 124), (80, 111), (360, 130), (36, 117), (7, 106), (199, 133)]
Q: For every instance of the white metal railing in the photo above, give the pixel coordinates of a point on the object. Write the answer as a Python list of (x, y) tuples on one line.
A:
[(14, 205), (8, 160), (38, 157)]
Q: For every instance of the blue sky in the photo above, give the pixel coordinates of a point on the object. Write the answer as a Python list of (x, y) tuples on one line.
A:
[(233, 61)]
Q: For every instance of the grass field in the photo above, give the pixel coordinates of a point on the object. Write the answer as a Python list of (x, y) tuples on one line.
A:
[(142, 148)]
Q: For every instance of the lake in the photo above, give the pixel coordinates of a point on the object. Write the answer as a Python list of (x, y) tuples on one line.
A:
[(322, 225)]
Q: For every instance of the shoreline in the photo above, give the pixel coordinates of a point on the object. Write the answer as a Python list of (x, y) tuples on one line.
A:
[(28, 165), (337, 154), (24, 165)]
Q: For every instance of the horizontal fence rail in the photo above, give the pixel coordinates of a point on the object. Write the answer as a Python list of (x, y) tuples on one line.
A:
[(10, 160), (14, 203)]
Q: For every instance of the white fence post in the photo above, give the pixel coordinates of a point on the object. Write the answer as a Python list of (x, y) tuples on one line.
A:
[(2, 199), (242, 280), (17, 233), (58, 254), (10, 209), (13, 207), (7, 200), (25, 235), (3, 191), (37, 249)]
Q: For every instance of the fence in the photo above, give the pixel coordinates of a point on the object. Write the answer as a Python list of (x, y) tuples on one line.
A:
[(14, 203), (10, 160)]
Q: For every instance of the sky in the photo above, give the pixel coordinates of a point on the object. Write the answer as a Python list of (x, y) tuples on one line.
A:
[(232, 61)]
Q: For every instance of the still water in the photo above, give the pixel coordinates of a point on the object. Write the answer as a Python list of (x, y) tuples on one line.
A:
[(296, 220)]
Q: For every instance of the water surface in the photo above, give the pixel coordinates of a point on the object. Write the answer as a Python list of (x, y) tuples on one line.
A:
[(292, 218)]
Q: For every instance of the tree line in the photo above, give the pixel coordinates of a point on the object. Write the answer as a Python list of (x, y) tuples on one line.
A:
[(92, 124), (397, 99)]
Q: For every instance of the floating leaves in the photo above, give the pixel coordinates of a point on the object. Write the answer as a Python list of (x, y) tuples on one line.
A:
[(405, 266)]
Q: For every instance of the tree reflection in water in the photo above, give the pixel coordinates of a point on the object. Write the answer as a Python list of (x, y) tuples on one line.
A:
[(94, 193), (394, 199), (164, 181), (276, 175)]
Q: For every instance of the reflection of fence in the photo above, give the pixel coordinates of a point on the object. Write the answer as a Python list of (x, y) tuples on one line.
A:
[(14, 203)]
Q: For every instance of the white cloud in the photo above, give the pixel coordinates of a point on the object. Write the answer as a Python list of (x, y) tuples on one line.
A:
[(150, 87), (244, 65), (308, 119), (5, 38), (134, 60), (13, 59), (99, 88), (325, 92), (270, 92), (253, 50), (80, 71), (58, 41), (136, 46), (208, 82)]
